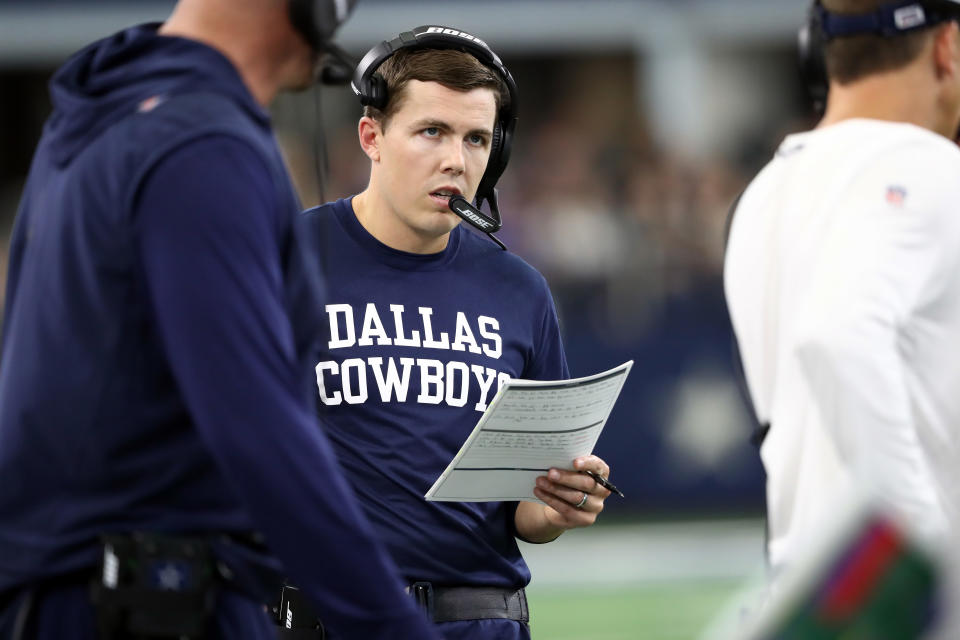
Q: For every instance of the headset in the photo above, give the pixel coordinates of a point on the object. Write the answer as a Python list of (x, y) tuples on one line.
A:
[(371, 89), (889, 20), (317, 20)]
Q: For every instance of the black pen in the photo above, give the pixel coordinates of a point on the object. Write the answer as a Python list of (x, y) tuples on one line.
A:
[(603, 482)]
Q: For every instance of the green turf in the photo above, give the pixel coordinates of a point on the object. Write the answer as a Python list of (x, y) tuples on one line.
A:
[(669, 611)]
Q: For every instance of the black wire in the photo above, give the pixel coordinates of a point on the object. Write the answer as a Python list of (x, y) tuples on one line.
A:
[(336, 69), (497, 240), (321, 160)]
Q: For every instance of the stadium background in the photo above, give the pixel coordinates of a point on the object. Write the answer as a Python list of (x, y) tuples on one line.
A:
[(641, 120)]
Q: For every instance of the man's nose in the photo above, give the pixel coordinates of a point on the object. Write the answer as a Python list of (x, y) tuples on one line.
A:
[(453, 158)]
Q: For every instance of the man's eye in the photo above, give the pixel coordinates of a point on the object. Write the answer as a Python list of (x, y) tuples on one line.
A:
[(477, 140), (431, 132)]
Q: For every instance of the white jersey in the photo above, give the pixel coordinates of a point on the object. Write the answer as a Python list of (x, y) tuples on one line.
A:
[(842, 278)]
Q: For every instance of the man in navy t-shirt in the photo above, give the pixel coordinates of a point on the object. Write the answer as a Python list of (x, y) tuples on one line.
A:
[(426, 320)]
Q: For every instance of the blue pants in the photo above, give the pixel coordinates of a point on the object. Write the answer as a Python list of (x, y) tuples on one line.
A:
[(65, 613), (484, 630)]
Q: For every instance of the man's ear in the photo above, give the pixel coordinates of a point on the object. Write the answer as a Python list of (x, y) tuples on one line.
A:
[(946, 49), (371, 135)]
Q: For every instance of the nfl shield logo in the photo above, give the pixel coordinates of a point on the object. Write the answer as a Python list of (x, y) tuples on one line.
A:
[(896, 195)]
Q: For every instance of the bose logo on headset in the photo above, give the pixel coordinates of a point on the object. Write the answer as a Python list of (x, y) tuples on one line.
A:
[(461, 207), (454, 32)]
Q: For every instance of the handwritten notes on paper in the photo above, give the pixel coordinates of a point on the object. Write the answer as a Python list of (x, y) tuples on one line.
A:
[(529, 427)]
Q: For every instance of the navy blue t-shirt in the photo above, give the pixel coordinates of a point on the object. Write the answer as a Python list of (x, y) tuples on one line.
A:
[(418, 346)]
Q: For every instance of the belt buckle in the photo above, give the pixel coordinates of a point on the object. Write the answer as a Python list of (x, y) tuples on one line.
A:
[(423, 593)]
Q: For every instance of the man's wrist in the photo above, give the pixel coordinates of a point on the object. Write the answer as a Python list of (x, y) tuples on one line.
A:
[(531, 524)]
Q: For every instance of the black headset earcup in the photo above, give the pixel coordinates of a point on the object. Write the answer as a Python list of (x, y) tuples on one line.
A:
[(374, 92), (494, 164), (506, 141), (499, 156), (813, 67), (496, 144), (317, 20)]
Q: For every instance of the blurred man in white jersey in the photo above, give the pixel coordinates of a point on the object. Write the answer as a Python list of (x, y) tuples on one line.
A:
[(843, 282)]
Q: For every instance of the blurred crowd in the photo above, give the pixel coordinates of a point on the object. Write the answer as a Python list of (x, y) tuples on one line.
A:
[(615, 223)]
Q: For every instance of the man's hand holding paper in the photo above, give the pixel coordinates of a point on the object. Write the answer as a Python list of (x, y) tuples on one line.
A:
[(561, 490), (534, 444)]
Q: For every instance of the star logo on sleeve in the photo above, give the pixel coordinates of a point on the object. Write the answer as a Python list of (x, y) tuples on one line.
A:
[(170, 576)]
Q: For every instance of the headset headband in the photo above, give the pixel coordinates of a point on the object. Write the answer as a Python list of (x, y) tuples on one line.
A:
[(430, 37)]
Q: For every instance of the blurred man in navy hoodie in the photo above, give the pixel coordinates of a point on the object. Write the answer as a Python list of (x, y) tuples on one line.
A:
[(155, 377)]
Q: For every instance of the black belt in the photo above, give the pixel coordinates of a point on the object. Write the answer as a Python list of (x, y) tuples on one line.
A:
[(451, 604)]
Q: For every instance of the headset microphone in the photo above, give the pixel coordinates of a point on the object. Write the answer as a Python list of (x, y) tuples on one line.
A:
[(477, 218), (336, 66)]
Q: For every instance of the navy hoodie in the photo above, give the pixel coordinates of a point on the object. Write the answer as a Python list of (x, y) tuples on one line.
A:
[(160, 314)]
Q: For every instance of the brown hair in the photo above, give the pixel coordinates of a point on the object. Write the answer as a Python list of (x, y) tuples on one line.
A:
[(452, 68), (854, 57)]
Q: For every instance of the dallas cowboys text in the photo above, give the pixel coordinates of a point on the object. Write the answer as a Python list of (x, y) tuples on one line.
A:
[(354, 379)]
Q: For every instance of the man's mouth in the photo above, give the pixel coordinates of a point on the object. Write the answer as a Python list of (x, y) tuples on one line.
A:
[(444, 194)]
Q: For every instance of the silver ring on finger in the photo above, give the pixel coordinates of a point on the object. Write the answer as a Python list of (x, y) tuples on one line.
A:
[(582, 502)]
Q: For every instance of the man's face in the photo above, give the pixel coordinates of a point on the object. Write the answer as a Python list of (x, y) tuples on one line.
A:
[(436, 145)]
